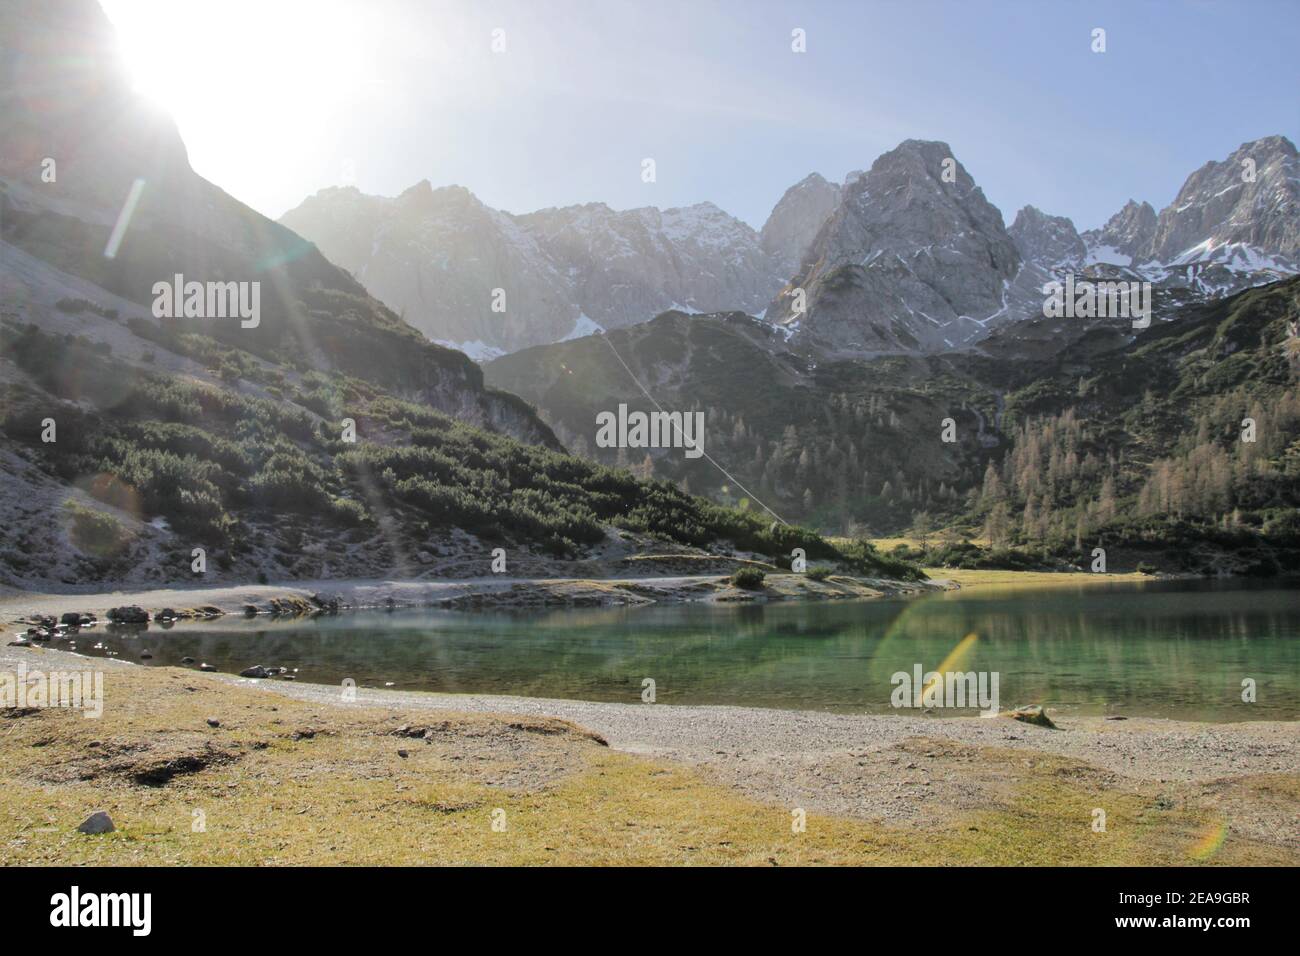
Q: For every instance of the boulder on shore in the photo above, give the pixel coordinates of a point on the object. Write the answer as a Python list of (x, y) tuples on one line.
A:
[(98, 822), (1033, 714)]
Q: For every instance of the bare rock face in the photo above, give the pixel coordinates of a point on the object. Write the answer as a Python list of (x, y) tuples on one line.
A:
[(1125, 237), (913, 258), (438, 257), (1049, 241), (626, 267), (795, 221), (1244, 210)]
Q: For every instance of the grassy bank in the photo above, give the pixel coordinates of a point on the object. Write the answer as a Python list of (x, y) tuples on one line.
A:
[(984, 578), (287, 781)]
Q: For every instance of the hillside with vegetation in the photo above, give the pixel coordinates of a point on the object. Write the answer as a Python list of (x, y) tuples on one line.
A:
[(1181, 449), (1132, 442), (149, 465)]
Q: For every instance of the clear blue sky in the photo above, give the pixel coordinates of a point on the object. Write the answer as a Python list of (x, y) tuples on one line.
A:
[(409, 90)]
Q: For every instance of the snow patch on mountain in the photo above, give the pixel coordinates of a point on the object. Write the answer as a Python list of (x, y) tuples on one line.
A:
[(582, 328)]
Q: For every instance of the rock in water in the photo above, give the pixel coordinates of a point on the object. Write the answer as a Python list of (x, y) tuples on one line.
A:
[(257, 670), (129, 614), (98, 822)]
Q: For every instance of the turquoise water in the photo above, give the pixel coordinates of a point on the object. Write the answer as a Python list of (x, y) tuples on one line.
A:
[(1137, 649)]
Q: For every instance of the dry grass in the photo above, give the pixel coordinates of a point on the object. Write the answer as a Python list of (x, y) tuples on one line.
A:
[(283, 781), (1026, 579)]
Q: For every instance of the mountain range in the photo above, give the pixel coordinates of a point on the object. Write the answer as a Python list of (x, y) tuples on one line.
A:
[(906, 256), (439, 256), (828, 353)]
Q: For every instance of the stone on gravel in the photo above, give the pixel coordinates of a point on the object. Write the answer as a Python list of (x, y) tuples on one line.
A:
[(98, 822), (1032, 715)]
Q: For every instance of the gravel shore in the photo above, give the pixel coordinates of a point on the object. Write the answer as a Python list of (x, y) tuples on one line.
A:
[(896, 768), (873, 765)]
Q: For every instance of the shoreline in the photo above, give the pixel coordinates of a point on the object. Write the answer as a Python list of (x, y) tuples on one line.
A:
[(306, 597), (892, 770), (291, 598)]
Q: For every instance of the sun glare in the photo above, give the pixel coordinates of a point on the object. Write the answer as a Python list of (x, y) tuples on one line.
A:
[(202, 58), (255, 88)]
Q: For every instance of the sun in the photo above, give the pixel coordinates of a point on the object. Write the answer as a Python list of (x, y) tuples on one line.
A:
[(203, 60), (255, 88)]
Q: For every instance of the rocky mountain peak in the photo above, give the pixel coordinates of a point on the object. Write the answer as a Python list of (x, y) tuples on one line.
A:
[(913, 257), (1243, 210), (1126, 236), (423, 197), (793, 224), (436, 255), (1050, 241)]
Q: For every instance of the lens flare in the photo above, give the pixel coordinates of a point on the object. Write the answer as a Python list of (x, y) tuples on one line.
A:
[(1210, 841), (954, 661)]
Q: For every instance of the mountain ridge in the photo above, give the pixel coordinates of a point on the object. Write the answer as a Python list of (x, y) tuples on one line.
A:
[(906, 256)]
